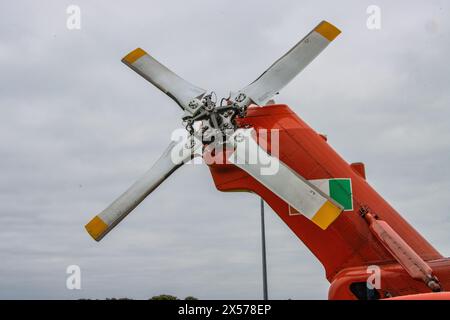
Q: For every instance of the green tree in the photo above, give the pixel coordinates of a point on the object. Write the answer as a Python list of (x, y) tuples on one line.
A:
[(164, 297)]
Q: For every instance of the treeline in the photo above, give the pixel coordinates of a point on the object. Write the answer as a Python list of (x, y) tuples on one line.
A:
[(159, 297)]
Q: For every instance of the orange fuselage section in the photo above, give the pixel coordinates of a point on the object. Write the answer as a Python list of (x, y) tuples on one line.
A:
[(347, 247)]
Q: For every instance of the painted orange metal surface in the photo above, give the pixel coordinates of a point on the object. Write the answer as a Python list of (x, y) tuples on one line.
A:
[(424, 296), (347, 247), (395, 281)]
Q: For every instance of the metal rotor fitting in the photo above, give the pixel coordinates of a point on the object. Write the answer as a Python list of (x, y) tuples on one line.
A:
[(241, 97)]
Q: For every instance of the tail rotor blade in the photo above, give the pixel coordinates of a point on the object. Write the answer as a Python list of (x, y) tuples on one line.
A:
[(173, 157), (289, 186), (288, 66), (164, 79)]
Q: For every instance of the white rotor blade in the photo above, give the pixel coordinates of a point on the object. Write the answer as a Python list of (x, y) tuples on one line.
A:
[(276, 176), (164, 79), (173, 157), (288, 66)]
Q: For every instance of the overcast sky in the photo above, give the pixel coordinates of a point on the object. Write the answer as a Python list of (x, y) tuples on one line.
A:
[(77, 127)]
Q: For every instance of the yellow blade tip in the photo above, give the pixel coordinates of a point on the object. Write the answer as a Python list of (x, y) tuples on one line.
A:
[(96, 228), (326, 215), (133, 56), (327, 30)]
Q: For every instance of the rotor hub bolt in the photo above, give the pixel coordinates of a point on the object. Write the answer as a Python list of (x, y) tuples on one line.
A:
[(193, 104), (239, 137), (241, 97)]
